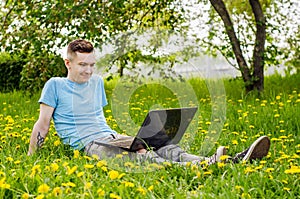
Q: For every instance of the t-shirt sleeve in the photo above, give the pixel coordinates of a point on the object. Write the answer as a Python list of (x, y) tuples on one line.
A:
[(103, 95), (48, 95)]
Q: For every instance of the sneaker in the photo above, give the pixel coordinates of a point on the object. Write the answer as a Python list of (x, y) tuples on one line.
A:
[(217, 156), (258, 149)]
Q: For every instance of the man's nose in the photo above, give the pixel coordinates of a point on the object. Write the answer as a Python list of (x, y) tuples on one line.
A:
[(89, 69)]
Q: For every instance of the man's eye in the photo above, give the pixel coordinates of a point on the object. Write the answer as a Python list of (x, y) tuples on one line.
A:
[(83, 64)]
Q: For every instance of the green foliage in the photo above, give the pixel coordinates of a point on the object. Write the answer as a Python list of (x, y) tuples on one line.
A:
[(10, 71), (39, 69), (243, 7), (39, 28)]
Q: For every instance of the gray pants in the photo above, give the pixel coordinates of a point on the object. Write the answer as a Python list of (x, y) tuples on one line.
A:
[(169, 153)]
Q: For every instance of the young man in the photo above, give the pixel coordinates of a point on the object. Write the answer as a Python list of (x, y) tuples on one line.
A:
[(76, 105)]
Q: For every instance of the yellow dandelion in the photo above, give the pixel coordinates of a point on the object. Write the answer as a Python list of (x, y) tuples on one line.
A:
[(35, 169), (56, 191), (65, 164), (70, 171), (40, 196), (142, 190), (293, 170), (129, 164), (238, 187), (9, 159), (104, 168), (68, 184), (54, 167), (114, 196), (235, 142), (246, 195), (100, 192), (88, 185), (3, 185), (17, 162), (44, 188), (263, 162), (128, 184), (96, 157), (68, 190), (25, 196), (151, 188), (221, 164), (167, 164), (278, 97), (271, 177), (101, 163), (259, 167), (281, 104), (286, 189), (269, 170), (76, 154), (249, 170), (113, 174), (87, 157), (119, 155), (89, 166), (188, 164), (194, 167), (121, 175), (251, 127), (207, 172), (57, 143), (80, 174)]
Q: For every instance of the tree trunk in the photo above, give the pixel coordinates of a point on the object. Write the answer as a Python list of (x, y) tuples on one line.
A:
[(259, 48), (255, 80)]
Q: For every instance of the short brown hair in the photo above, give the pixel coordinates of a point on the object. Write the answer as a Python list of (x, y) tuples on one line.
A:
[(79, 45)]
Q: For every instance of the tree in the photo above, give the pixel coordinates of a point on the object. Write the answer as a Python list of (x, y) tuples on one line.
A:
[(254, 80), (251, 35), (40, 28)]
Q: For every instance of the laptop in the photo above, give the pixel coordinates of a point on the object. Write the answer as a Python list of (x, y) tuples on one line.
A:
[(160, 128)]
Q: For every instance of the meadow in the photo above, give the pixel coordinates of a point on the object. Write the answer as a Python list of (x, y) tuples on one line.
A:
[(57, 171)]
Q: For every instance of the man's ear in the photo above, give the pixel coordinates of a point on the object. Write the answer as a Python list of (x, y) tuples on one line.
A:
[(67, 63)]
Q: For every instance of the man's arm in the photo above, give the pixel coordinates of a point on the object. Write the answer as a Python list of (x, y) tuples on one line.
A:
[(40, 128)]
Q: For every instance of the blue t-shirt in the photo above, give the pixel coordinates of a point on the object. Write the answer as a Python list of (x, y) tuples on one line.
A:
[(78, 109)]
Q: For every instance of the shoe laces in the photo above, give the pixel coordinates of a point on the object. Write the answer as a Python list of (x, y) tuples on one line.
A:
[(239, 156), (212, 159)]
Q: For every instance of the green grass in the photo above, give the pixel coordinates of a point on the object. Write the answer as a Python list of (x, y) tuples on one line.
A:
[(58, 170)]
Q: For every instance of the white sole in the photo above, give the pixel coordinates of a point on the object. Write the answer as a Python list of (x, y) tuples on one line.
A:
[(258, 149)]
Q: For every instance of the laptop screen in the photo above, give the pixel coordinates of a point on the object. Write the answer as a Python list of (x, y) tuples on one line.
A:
[(162, 127)]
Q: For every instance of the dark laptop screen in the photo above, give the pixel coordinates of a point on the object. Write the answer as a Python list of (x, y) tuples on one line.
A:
[(163, 127)]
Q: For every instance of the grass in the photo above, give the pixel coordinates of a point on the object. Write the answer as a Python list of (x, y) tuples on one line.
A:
[(58, 171)]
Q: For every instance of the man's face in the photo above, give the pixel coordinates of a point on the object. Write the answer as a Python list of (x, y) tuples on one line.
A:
[(81, 67)]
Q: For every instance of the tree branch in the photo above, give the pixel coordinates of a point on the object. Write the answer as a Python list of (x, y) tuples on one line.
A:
[(220, 7)]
